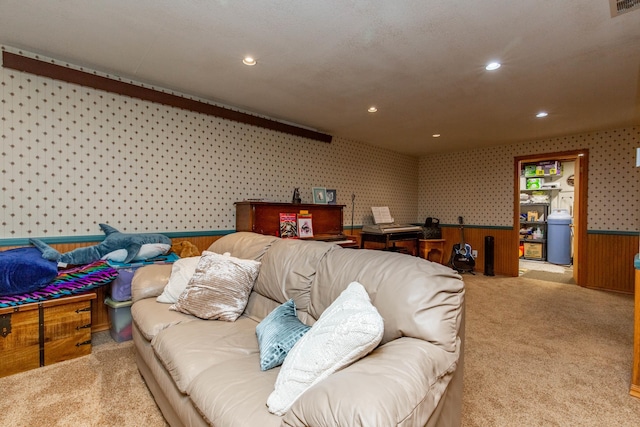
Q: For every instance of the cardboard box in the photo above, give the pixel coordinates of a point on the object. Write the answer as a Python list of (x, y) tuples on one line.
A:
[(546, 168), (534, 183), (533, 250), (550, 168), (530, 171)]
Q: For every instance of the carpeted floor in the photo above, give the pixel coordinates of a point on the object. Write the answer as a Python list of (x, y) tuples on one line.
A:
[(549, 276), (547, 354), (100, 390), (536, 354)]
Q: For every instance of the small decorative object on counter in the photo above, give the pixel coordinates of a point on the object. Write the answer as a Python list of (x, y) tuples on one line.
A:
[(431, 229), (296, 196)]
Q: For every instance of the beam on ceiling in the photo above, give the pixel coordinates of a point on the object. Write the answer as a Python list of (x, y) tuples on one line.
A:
[(83, 78)]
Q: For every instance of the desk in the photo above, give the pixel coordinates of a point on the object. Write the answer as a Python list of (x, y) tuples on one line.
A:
[(432, 245), (392, 238)]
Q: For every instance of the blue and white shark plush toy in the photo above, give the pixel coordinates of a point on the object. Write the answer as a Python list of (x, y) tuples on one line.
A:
[(116, 246)]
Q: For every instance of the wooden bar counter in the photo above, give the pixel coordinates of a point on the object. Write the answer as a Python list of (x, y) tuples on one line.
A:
[(264, 217)]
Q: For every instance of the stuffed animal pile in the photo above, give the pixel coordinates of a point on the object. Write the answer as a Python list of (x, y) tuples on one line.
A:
[(116, 246)]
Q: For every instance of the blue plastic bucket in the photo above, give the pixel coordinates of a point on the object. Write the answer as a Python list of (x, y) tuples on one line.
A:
[(559, 237)]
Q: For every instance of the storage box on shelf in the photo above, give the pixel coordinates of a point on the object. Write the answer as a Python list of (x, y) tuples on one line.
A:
[(546, 168)]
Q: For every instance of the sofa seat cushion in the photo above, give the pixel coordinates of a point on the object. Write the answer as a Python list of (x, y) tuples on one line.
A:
[(188, 348), (151, 317), (234, 392), (398, 384)]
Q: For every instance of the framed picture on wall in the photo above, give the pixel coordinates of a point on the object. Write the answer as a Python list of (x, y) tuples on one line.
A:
[(331, 197), (320, 195)]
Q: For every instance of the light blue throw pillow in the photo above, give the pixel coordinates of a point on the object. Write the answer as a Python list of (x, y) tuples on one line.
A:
[(277, 334)]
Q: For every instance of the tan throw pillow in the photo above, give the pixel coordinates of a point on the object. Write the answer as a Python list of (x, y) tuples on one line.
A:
[(219, 289)]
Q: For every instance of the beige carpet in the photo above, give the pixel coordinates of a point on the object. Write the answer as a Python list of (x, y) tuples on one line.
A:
[(549, 276), (547, 354), (102, 389), (537, 354)]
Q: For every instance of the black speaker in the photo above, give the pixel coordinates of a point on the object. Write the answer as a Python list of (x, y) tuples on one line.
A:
[(488, 256)]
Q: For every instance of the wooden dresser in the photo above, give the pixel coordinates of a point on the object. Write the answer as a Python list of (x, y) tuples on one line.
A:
[(264, 218)]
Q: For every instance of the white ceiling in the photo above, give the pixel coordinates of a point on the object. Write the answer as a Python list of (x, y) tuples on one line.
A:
[(321, 64)]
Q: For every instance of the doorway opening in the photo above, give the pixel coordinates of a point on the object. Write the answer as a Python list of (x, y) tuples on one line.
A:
[(550, 213)]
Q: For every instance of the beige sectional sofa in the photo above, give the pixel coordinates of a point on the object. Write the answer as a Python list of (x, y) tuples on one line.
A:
[(207, 372)]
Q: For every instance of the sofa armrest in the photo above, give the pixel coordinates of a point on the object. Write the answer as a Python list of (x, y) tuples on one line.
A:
[(398, 384), (149, 281)]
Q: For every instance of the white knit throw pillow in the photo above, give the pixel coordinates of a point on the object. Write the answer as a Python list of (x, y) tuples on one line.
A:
[(347, 330)]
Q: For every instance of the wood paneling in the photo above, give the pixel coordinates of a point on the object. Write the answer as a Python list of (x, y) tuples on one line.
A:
[(609, 259), (635, 376), (503, 247), (99, 311), (610, 262)]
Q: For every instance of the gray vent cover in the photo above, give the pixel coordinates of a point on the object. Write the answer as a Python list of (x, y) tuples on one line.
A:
[(618, 7)]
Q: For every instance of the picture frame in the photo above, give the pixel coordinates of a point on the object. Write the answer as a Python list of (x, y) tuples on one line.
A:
[(331, 197), (319, 195), (305, 226)]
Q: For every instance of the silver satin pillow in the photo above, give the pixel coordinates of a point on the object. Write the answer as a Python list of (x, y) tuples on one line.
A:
[(219, 289)]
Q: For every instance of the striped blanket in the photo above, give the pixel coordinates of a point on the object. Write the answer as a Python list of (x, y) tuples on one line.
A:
[(68, 282)]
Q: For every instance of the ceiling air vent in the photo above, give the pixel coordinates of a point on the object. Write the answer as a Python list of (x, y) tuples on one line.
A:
[(618, 7)]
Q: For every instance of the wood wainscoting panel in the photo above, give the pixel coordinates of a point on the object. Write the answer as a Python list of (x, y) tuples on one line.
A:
[(504, 247), (610, 262), (99, 311), (635, 373)]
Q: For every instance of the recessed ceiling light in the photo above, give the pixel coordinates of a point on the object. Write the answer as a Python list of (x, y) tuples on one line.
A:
[(436, 135), (542, 114), (372, 109), (249, 61), (491, 66)]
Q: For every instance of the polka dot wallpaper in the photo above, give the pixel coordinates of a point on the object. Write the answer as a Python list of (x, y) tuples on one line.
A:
[(73, 157), (478, 184)]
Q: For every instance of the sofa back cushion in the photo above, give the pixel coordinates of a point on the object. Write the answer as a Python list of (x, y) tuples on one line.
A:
[(288, 269), (244, 245), (415, 297)]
